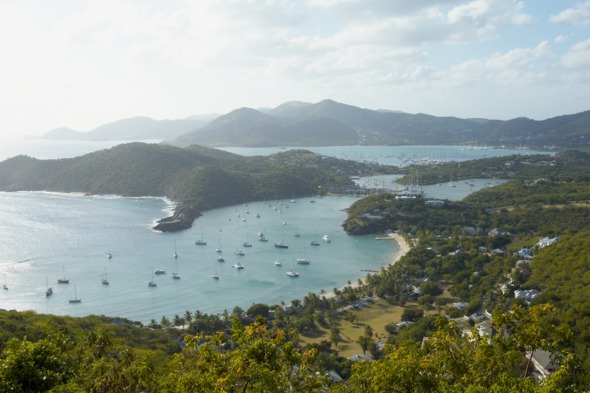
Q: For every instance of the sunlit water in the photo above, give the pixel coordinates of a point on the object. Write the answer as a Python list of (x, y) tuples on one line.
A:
[(44, 236)]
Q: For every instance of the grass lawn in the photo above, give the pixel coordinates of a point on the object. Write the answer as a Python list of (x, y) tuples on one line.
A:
[(376, 315)]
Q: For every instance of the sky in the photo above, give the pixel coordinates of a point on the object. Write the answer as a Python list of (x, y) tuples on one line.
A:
[(84, 63)]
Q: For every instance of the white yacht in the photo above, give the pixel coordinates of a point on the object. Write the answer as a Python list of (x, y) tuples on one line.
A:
[(292, 273)]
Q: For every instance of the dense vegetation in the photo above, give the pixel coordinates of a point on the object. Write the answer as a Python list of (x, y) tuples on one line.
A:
[(471, 248), (478, 252), (197, 178)]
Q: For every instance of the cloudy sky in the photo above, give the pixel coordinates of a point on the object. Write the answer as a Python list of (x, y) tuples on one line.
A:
[(83, 63)]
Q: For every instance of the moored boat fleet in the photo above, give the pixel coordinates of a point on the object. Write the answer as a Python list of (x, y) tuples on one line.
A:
[(157, 273)]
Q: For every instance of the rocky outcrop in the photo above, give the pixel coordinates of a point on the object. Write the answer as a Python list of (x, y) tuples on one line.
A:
[(182, 218)]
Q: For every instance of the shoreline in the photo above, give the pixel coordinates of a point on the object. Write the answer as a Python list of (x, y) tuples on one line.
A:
[(404, 247)]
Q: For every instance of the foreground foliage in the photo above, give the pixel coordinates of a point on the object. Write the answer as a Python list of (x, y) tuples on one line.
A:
[(258, 357)]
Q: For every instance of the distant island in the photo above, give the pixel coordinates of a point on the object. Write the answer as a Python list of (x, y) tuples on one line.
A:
[(330, 123)]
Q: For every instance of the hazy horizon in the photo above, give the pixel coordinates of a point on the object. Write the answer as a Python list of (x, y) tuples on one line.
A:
[(82, 64)]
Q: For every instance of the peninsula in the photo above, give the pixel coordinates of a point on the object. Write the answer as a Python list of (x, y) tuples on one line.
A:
[(196, 178)]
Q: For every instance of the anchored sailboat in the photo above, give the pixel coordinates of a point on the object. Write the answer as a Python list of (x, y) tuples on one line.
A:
[(201, 241), (49, 290), (63, 280), (152, 283), (75, 299), (105, 280), (175, 274)]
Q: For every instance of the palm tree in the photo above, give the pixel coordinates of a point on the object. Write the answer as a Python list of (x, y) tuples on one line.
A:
[(177, 321), (188, 317)]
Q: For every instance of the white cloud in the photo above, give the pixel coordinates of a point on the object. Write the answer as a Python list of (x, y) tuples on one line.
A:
[(560, 38), (578, 56), (480, 18), (578, 15), (83, 63)]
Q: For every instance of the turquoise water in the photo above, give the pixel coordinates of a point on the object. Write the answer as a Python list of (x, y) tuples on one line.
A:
[(46, 234), (394, 155)]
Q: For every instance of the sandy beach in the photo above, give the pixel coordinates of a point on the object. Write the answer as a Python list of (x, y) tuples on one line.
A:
[(404, 247)]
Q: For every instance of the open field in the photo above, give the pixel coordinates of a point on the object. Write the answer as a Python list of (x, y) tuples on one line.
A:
[(376, 316)]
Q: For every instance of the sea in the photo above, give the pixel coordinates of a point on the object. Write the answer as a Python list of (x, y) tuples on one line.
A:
[(49, 236)]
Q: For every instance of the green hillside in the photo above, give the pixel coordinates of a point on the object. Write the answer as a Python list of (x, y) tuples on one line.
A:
[(467, 253), (197, 178)]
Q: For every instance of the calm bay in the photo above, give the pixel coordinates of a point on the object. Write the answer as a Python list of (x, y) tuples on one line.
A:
[(45, 236)]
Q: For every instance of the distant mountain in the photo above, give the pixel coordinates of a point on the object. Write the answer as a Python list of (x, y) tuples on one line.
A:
[(250, 127), (132, 129), (328, 122), (331, 123), (64, 133), (561, 131)]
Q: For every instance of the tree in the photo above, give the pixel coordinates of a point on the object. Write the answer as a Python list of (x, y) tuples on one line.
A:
[(335, 334), (365, 342), (177, 321), (411, 314), (36, 366), (262, 360), (258, 309), (535, 328), (188, 317)]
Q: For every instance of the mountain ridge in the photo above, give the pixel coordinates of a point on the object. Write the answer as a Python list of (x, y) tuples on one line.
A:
[(328, 122)]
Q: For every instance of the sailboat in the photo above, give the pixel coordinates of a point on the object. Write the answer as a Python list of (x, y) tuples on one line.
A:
[(105, 280), (215, 275), (201, 241), (303, 260), (262, 237), (109, 255), (247, 242), (49, 290), (281, 244), (292, 273), (175, 274), (75, 299), (175, 253), (238, 266), (63, 280), (220, 258), (240, 252), (152, 283), (218, 249)]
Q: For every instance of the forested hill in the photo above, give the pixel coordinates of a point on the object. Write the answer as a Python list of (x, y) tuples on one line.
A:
[(330, 123), (197, 178)]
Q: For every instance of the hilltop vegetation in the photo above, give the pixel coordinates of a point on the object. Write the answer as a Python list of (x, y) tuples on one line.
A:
[(476, 253), (545, 200), (197, 178)]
